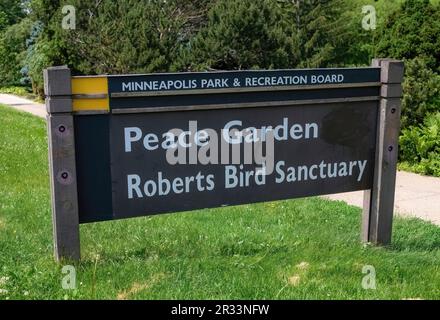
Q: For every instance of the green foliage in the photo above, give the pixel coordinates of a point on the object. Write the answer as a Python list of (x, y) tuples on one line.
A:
[(363, 43), (413, 31), (421, 92), (45, 45), (42, 54), (11, 12), (420, 146), (269, 34), (241, 35), (19, 91), (12, 52), (322, 32), (144, 39)]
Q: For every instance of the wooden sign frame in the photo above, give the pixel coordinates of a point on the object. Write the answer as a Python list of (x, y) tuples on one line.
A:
[(67, 97)]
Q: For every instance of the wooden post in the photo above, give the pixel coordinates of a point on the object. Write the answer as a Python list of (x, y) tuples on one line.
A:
[(379, 202), (62, 168)]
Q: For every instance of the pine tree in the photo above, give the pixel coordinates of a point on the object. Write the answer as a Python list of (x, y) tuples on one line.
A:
[(243, 34), (413, 31), (133, 35), (271, 34), (320, 31)]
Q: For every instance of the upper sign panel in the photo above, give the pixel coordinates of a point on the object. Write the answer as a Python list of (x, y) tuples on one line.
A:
[(183, 82), (130, 91)]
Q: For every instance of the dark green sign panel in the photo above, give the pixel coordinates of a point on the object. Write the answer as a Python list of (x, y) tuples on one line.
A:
[(324, 139)]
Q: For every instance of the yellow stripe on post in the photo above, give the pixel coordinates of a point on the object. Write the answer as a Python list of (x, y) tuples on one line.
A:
[(85, 89)]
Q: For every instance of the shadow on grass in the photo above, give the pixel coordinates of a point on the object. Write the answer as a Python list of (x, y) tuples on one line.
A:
[(411, 235)]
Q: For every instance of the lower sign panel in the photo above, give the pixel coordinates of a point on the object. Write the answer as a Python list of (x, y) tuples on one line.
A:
[(317, 149)]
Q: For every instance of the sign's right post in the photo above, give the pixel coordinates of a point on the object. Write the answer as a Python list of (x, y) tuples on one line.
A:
[(378, 204)]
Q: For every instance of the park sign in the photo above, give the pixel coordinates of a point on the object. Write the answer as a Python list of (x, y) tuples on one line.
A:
[(124, 146)]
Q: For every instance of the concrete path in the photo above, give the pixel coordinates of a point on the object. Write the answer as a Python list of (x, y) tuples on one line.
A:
[(416, 195), (22, 104)]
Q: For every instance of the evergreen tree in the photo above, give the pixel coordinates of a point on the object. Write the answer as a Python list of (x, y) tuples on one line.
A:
[(421, 92), (270, 34), (132, 36), (321, 31), (241, 34), (413, 31)]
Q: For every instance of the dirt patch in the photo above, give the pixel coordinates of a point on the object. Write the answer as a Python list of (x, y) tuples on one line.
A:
[(294, 280), (303, 265), (138, 287)]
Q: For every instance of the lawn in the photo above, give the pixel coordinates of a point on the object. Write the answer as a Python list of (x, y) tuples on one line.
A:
[(298, 249)]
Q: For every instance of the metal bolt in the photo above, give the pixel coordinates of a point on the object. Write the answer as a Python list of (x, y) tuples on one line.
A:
[(390, 148), (64, 177), (393, 110), (61, 129)]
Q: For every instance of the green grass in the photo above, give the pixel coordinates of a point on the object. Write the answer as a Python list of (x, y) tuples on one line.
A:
[(243, 252)]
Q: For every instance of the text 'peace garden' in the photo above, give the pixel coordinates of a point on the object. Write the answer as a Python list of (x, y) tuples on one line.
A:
[(247, 154)]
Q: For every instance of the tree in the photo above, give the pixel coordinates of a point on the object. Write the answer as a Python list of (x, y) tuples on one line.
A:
[(11, 12), (270, 34), (421, 92), (14, 31), (320, 31), (242, 34), (111, 36), (412, 31), (45, 46), (143, 39), (12, 52)]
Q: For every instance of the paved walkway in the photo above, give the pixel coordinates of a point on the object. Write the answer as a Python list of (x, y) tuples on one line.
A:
[(416, 195), (22, 104)]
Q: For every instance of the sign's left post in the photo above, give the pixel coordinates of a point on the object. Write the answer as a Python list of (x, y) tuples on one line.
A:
[(62, 167)]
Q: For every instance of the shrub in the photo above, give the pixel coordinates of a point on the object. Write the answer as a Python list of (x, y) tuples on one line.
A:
[(421, 92), (420, 146)]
